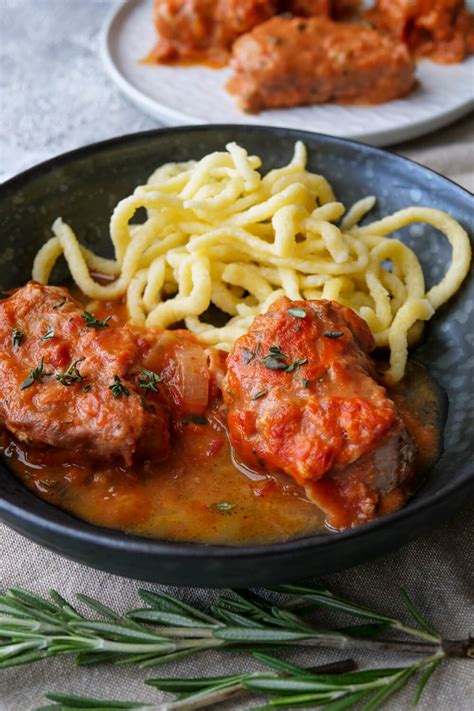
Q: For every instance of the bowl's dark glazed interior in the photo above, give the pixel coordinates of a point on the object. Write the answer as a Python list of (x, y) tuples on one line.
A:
[(83, 188)]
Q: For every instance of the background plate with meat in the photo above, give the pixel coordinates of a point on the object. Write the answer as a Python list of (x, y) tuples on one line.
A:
[(195, 94)]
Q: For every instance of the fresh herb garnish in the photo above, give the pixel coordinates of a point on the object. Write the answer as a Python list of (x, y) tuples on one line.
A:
[(35, 376), (224, 506), (93, 322), (49, 334), (273, 364), (297, 313), (48, 483), (306, 383), (247, 355), (118, 388), (4, 295), (58, 306), (86, 388), (196, 420), (333, 334), (296, 364), (17, 337), (71, 375), (150, 380), (277, 351), (274, 359), (235, 619), (261, 393)]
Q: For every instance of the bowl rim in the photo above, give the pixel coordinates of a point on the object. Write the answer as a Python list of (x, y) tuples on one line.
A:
[(117, 540)]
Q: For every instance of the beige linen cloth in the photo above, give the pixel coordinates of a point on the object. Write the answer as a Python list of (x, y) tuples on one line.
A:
[(436, 569)]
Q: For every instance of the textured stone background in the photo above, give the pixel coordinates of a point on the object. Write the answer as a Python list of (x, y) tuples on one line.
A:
[(55, 94)]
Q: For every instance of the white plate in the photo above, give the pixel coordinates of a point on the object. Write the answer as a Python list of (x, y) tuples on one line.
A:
[(196, 94)]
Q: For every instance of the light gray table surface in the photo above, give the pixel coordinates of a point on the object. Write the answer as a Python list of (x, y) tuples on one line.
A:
[(55, 96)]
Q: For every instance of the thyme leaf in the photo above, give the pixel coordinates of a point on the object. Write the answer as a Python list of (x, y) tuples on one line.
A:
[(261, 393), (150, 380), (48, 335), (296, 364), (274, 359), (273, 363), (297, 313), (118, 388), (92, 322), (276, 351), (71, 375), (333, 334), (36, 376), (224, 506), (17, 337)]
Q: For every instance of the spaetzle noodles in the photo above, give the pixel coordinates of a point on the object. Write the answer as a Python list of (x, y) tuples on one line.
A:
[(218, 232)]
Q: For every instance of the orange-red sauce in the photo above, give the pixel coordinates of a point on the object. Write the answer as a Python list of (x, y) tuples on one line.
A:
[(198, 494)]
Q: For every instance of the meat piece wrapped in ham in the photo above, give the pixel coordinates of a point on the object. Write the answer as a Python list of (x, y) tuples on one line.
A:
[(69, 384), (294, 61), (302, 400), (442, 30), (204, 30)]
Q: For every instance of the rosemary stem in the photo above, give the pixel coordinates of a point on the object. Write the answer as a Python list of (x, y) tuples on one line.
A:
[(199, 644), (134, 648), (230, 692), (388, 645), (207, 699), (459, 647)]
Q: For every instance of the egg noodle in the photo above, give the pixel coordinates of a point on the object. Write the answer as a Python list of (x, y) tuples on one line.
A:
[(219, 232)]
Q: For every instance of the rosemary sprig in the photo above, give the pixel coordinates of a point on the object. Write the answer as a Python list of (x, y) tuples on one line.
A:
[(333, 687), (32, 627), (194, 693)]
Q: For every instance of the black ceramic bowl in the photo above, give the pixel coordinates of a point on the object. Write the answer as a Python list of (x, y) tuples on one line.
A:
[(84, 186)]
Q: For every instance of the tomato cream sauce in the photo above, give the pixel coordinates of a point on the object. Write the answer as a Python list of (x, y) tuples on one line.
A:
[(198, 494)]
